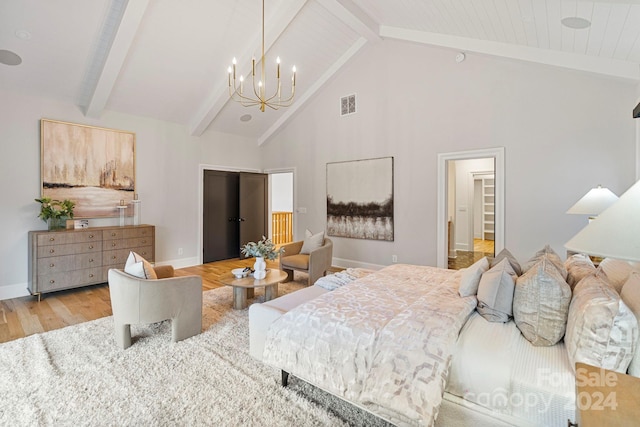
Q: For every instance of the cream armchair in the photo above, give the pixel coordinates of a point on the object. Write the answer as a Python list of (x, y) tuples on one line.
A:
[(135, 301), (315, 264)]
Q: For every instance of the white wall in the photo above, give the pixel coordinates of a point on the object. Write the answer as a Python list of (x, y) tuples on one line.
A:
[(167, 179), (282, 192), (563, 133)]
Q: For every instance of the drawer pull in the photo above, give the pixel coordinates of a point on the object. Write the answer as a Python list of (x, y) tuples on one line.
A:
[(52, 239), (91, 236), (113, 234), (113, 257), (51, 251), (144, 253), (90, 246), (91, 260), (52, 281), (52, 265), (91, 275), (144, 241), (113, 244)]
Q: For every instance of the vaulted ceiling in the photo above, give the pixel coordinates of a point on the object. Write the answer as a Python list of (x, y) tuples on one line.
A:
[(168, 59)]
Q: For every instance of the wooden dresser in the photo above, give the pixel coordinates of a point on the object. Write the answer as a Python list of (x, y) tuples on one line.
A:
[(68, 259)]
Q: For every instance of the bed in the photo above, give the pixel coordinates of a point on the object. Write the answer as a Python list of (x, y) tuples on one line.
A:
[(403, 344)]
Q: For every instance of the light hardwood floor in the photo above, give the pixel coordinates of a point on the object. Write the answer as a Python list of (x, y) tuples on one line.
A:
[(25, 316)]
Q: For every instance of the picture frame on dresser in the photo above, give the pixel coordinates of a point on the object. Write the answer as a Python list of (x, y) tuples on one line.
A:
[(93, 166)]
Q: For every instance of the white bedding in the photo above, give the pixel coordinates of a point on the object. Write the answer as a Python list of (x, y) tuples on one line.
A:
[(383, 342), (496, 367)]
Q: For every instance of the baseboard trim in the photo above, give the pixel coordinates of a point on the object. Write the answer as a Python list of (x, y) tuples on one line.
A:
[(349, 263), (13, 291), (181, 262)]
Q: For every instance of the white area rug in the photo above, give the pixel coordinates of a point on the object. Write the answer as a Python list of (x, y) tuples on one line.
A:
[(77, 377)]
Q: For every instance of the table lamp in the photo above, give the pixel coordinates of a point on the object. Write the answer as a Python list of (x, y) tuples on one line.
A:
[(594, 202)]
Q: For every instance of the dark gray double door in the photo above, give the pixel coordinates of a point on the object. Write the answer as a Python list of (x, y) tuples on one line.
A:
[(234, 212)]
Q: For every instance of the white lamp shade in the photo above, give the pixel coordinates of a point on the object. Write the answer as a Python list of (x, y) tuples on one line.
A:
[(594, 202), (615, 233)]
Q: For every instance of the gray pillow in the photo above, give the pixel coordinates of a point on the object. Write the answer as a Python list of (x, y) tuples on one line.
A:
[(541, 303), (512, 260), (601, 330), (548, 253), (495, 292), (578, 267)]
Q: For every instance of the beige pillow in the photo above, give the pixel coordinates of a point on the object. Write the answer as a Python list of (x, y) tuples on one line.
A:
[(541, 303), (495, 292), (615, 272), (578, 266), (601, 330), (631, 296), (548, 253), (139, 267), (470, 277), (312, 242), (512, 260)]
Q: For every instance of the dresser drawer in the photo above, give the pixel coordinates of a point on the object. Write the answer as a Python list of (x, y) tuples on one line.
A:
[(67, 237), (127, 233), (69, 262), (136, 242), (77, 248), (118, 257), (70, 279)]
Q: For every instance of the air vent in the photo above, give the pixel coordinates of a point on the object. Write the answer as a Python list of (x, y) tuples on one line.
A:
[(348, 105)]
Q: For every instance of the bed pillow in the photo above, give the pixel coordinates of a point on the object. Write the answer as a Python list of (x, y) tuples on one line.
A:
[(470, 277), (601, 330), (495, 292), (139, 267), (312, 242), (541, 303), (512, 260), (546, 253), (578, 267), (631, 297), (615, 272)]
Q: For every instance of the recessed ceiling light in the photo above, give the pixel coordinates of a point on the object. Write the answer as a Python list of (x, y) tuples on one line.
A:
[(9, 58), (23, 34), (575, 22), (245, 118)]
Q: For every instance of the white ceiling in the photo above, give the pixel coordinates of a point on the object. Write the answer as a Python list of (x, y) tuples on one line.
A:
[(167, 59)]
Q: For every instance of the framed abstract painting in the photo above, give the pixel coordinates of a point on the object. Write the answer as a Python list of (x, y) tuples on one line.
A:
[(93, 166), (360, 199)]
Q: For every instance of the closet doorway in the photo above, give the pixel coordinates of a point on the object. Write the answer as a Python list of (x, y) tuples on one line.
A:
[(470, 206), (281, 206), (234, 212)]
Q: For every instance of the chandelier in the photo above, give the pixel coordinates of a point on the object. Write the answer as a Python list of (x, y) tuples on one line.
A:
[(259, 95)]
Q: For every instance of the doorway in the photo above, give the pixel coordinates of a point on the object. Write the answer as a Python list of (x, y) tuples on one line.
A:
[(234, 212), (281, 207), (463, 216)]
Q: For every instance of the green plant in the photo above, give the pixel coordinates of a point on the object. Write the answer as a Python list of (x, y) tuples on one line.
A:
[(55, 208), (264, 248)]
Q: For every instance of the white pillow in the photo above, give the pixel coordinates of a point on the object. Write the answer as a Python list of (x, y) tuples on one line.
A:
[(601, 330), (470, 278), (541, 303), (615, 272), (312, 242), (548, 253), (578, 266), (139, 267), (495, 292), (631, 296)]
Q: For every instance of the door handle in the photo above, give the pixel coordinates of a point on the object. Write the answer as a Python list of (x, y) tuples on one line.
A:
[(241, 219)]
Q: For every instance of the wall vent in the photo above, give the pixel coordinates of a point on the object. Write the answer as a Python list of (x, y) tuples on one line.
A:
[(348, 105)]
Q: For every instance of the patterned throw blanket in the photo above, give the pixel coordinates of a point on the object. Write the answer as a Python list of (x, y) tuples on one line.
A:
[(383, 342)]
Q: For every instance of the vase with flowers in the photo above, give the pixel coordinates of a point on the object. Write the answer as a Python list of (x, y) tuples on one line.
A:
[(55, 212), (264, 249)]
